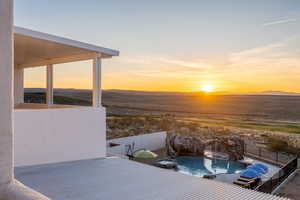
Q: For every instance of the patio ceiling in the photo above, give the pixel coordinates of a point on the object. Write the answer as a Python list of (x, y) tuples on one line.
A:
[(32, 49)]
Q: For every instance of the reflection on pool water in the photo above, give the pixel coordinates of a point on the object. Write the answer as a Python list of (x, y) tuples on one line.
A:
[(199, 166)]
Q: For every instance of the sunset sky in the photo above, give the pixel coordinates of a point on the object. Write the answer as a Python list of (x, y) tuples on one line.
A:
[(175, 45)]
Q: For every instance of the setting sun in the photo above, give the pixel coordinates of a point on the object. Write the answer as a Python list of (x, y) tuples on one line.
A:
[(207, 87)]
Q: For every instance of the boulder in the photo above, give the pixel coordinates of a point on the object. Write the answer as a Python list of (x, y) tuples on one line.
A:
[(180, 145), (188, 145), (233, 146)]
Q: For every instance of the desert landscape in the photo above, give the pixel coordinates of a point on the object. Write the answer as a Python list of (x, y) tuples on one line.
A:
[(263, 106), (137, 112)]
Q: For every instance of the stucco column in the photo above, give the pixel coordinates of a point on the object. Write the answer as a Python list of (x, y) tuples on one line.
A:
[(97, 81), (18, 85), (10, 189), (49, 92), (6, 91)]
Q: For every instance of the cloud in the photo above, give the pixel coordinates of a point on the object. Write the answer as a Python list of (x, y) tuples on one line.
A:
[(276, 59), (255, 54), (282, 56), (280, 21), (195, 65), (156, 66), (188, 65)]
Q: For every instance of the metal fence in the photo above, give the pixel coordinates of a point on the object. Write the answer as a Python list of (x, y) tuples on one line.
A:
[(279, 158), (279, 177)]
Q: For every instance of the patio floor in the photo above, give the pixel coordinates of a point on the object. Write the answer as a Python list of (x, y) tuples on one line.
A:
[(116, 178)]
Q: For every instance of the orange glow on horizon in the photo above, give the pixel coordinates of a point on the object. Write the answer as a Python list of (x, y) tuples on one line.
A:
[(79, 76)]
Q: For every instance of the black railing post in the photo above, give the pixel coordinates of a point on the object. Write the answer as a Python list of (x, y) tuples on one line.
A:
[(271, 185), (279, 177)]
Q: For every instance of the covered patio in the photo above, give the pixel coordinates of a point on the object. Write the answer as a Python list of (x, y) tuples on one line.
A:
[(49, 133), (35, 49)]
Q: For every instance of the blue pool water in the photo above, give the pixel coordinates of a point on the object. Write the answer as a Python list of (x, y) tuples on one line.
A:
[(199, 166)]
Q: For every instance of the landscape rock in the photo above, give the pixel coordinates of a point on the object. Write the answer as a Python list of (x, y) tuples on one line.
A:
[(188, 145), (180, 145), (233, 146)]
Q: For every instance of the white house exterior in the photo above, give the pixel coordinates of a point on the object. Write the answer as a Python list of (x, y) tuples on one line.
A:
[(43, 132), (51, 135)]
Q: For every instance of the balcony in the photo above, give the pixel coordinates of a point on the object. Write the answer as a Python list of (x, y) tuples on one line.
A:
[(48, 133)]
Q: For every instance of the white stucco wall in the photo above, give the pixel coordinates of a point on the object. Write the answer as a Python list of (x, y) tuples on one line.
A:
[(57, 135), (152, 141), (6, 97), (18, 85)]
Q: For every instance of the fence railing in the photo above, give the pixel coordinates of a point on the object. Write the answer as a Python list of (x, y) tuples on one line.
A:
[(279, 177), (262, 153)]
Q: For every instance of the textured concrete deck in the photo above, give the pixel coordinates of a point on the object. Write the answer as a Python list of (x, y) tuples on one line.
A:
[(116, 178)]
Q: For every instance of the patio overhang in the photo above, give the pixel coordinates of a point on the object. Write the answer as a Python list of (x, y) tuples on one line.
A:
[(51, 125), (33, 48)]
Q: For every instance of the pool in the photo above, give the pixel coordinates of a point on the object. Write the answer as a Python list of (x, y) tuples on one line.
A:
[(200, 166)]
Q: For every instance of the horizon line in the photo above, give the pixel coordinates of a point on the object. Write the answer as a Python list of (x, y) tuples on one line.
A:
[(267, 92)]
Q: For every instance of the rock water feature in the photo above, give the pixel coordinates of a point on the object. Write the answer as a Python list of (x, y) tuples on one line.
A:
[(180, 145), (189, 145)]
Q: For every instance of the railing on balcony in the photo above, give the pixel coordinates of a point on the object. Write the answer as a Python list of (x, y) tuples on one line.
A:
[(262, 153), (287, 161), (278, 178)]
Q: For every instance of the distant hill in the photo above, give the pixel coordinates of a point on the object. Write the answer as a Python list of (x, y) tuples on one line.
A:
[(135, 92), (61, 96), (267, 105), (159, 93), (271, 92), (58, 90), (140, 92)]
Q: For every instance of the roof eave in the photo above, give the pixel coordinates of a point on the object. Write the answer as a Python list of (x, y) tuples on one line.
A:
[(65, 41)]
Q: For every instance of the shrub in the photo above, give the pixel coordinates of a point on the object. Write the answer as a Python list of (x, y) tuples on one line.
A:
[(277, 144)]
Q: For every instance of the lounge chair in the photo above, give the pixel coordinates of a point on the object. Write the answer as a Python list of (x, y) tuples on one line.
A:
[(242, 178), (247, 182), (242, 184)]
